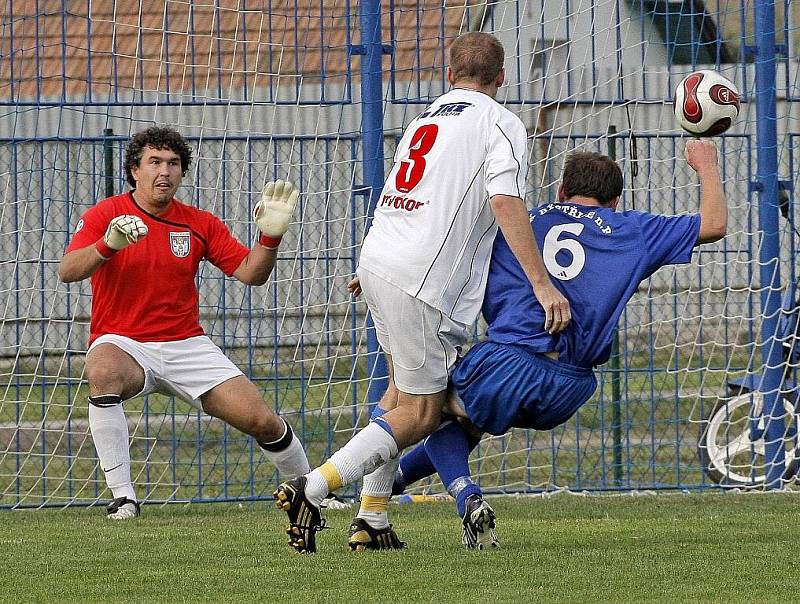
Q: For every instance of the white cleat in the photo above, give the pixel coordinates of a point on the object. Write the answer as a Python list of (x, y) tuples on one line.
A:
[(123, 508)]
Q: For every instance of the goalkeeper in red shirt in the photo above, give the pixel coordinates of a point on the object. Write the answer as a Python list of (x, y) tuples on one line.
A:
[(142, 250)]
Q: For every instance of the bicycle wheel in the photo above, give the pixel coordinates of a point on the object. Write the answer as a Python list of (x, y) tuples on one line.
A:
[(728, 453)]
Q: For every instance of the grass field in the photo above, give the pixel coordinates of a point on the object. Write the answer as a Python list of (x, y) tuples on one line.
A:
[(714, 547)]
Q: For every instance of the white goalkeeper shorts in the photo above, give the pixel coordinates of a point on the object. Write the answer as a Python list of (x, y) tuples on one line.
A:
[(423, 341), (186, 368)]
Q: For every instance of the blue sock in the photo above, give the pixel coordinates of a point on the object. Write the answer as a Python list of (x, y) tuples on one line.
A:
[(448, 449), (381, 421), (377, 417), (416, 465), (377, 411)]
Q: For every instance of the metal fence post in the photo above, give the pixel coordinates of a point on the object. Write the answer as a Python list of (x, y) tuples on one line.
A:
[(769, 252), (369, 12)]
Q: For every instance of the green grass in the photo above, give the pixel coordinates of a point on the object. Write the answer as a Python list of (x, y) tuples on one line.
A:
[(666, 548)]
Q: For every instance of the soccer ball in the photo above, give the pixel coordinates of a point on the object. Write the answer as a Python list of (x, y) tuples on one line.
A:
[(706, 103)]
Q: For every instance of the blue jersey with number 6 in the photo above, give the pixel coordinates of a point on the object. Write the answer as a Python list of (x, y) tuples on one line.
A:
[(597, 258)]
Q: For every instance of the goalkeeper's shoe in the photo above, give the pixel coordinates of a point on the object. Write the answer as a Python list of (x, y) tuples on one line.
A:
[(477, 527), (305, 520), (123, 508), (363, 537)]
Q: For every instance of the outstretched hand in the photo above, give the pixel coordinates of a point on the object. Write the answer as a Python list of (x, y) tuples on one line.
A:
[(274, 212), (701, 153)]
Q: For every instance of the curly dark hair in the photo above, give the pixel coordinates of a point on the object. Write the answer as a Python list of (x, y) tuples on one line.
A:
[(157, 137), (591, 175)]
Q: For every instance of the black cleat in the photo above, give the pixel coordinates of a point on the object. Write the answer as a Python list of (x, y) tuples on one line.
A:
[(478, 524), (123, 508), (305, 520), (363, 537)]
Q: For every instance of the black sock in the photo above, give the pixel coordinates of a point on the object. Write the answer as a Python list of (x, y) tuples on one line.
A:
[(280, 444)]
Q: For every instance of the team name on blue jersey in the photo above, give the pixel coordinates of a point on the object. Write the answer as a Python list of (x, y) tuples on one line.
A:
[(574, 212)]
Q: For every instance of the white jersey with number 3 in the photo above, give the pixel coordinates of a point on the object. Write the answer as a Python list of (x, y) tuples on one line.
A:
[(433, 228)]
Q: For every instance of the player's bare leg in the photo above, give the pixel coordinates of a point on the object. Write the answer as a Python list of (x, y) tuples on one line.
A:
[(415, 416), (374, 494), (113, 376), (238, 403)]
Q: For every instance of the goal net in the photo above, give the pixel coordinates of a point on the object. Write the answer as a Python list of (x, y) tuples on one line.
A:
[(274, 90)]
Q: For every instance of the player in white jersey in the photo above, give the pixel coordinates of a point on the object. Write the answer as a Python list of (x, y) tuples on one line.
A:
[(431, 237), (459, 173)]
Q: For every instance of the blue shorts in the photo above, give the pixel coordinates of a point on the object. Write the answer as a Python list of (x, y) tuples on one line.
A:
[(504, 386)]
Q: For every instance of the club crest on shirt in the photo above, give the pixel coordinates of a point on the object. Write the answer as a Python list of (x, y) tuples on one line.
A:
[(179, 243)]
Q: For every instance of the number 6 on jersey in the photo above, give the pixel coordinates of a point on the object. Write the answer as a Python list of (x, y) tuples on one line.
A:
[(553, 245)]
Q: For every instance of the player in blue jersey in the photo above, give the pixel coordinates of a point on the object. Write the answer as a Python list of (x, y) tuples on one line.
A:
[(524, 377)]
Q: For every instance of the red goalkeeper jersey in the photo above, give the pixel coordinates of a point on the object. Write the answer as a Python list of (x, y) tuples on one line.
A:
[(148, 291)]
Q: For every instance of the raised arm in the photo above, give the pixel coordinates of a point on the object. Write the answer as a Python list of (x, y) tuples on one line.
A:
[(272, 216), (512, 217), (702, 157)]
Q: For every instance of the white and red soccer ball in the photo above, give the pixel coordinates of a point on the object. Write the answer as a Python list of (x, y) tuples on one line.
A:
[(706, 103)]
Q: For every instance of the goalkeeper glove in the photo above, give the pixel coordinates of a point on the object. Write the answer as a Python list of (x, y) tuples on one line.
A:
[(273, 213), (121, 232)]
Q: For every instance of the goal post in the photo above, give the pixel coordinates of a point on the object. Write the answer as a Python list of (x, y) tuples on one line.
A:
[(319, 93)]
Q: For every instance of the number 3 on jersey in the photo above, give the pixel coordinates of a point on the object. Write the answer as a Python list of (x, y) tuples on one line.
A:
[(413, 167), (553, 245)]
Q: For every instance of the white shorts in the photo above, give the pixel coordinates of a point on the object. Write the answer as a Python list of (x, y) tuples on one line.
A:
[(186, 368), (423, 341)]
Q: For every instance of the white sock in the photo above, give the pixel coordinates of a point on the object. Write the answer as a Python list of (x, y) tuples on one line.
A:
[(378, 484), (110, 434), (291, 461), (367, 450)]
